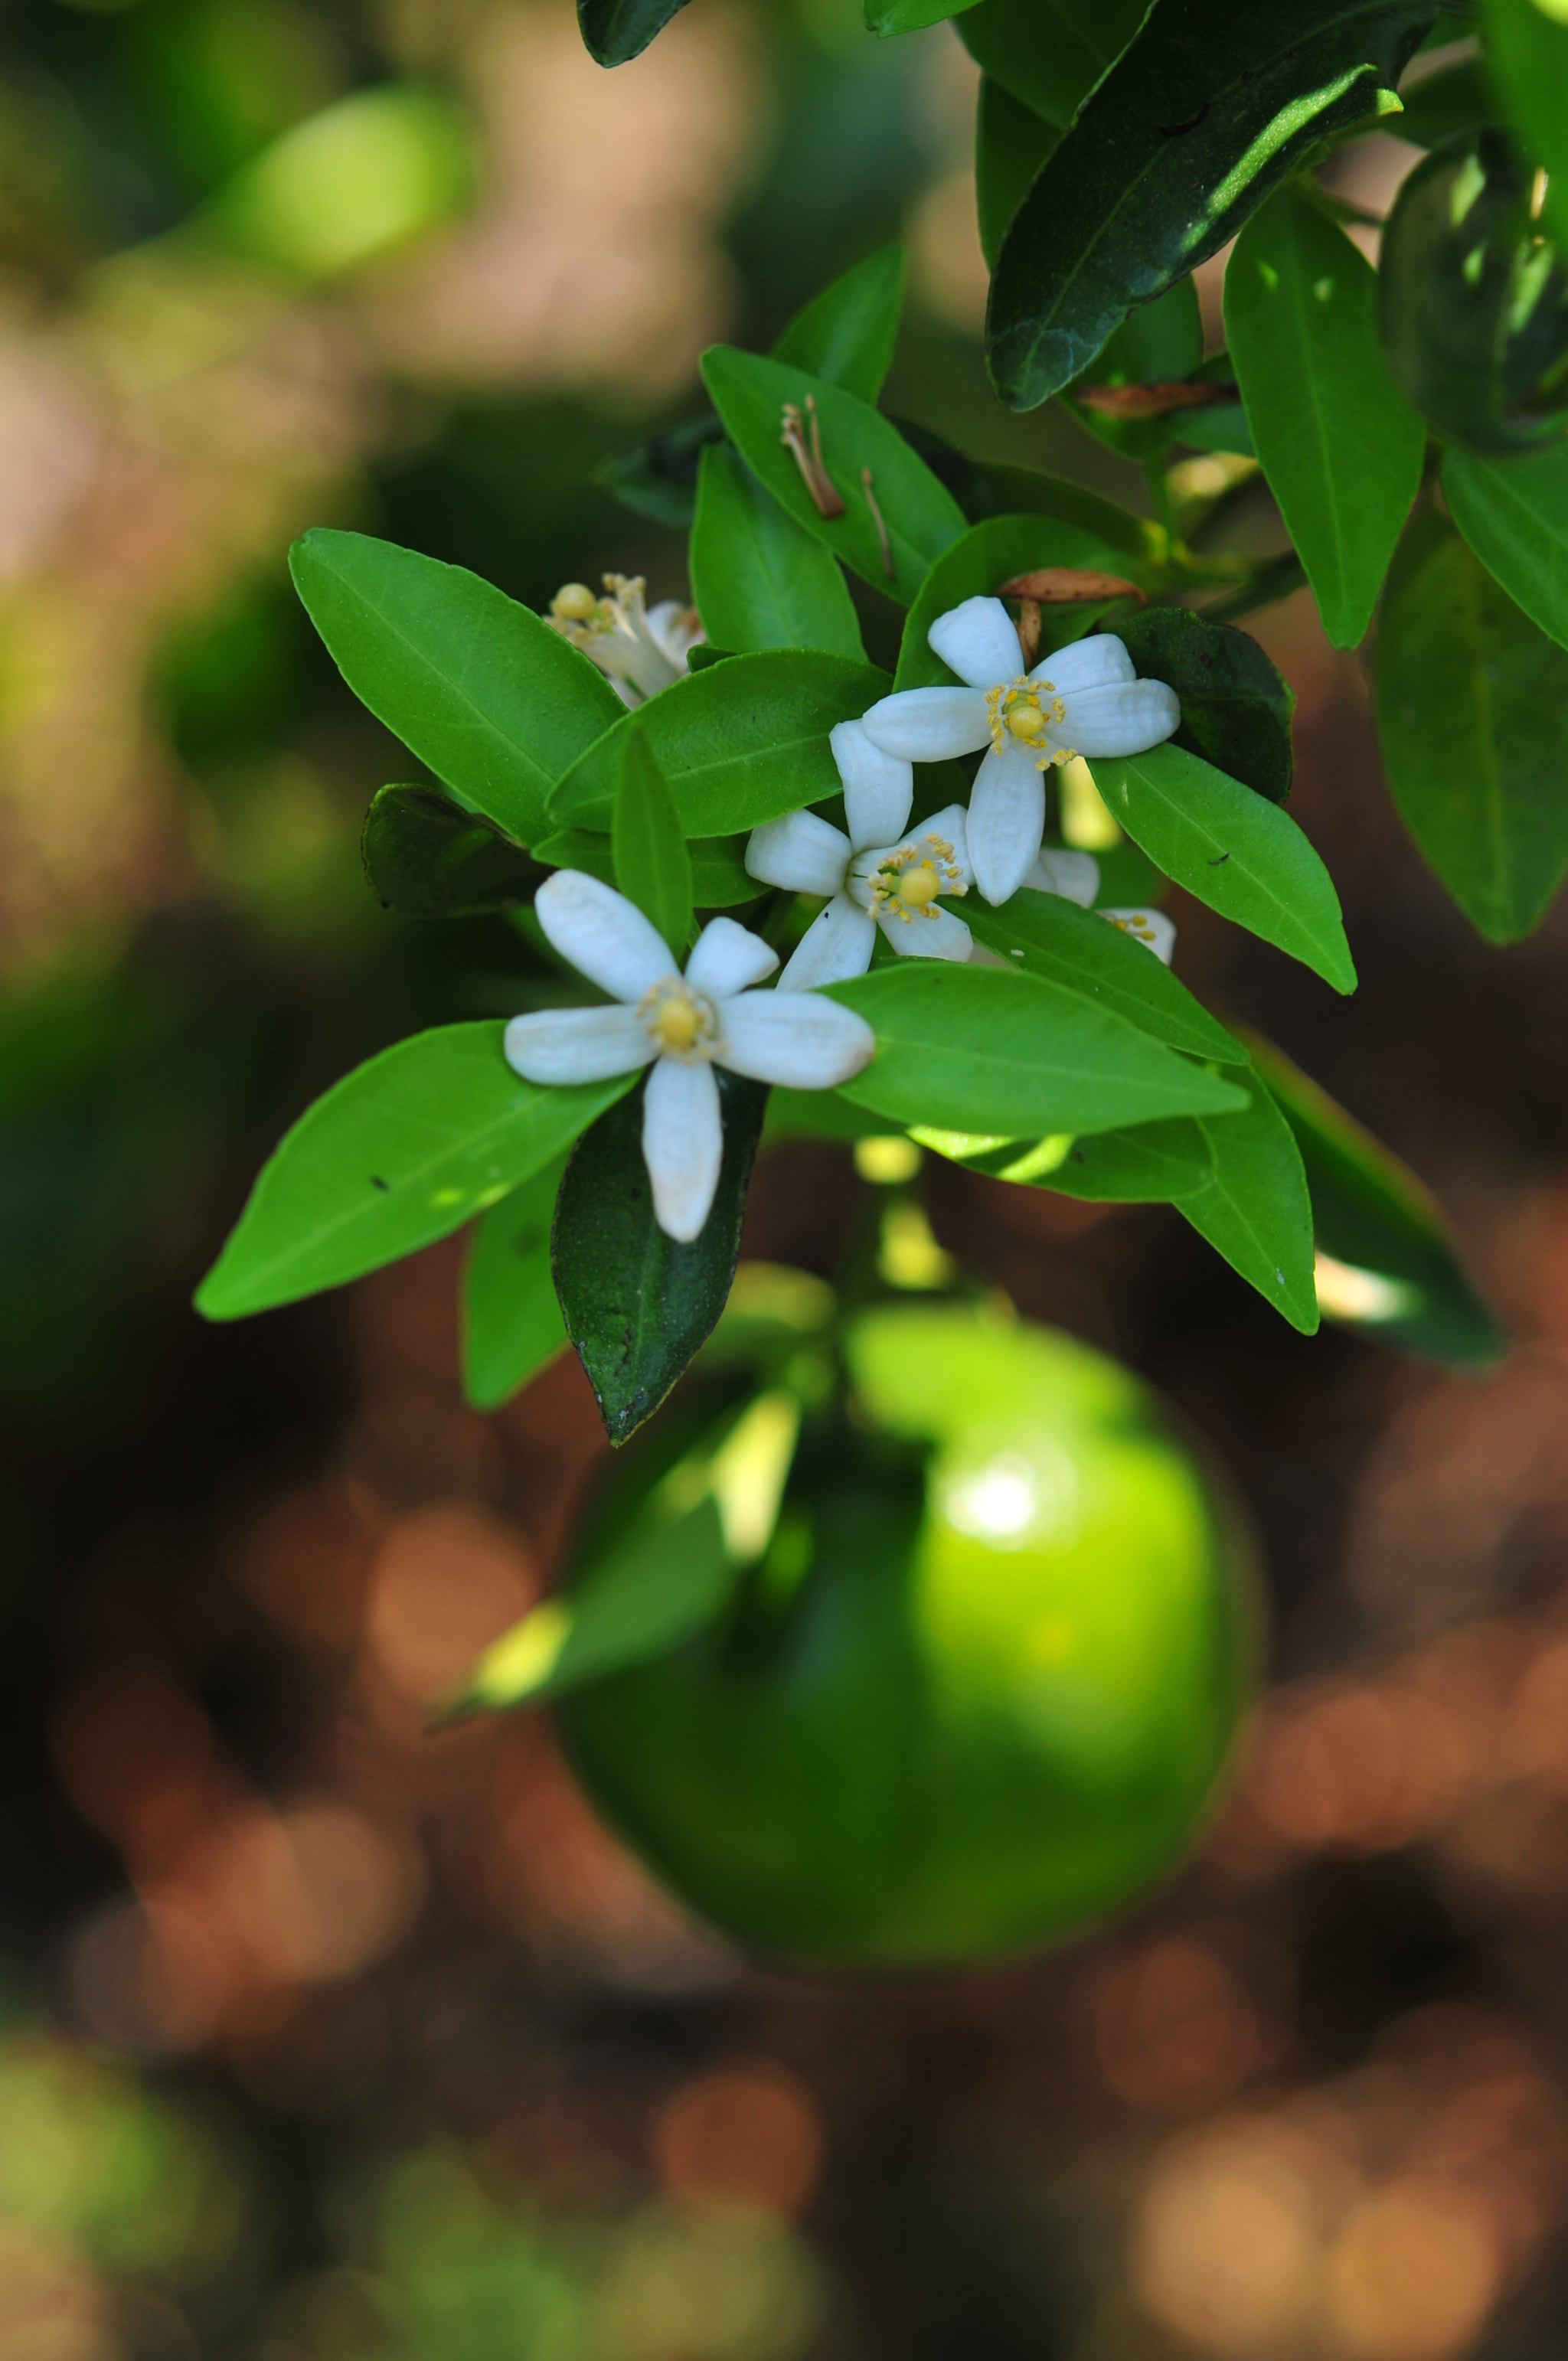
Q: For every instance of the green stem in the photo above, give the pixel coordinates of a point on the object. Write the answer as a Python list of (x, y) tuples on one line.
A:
[(1159, 493)]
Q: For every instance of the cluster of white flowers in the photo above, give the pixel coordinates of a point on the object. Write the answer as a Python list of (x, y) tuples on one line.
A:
[(1086, 699)]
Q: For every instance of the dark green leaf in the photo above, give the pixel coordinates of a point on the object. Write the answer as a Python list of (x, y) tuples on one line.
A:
[(1392, 1268), (1151, 1164), (427, 857), (1473, 722), (739, 744), (1236, 705), (1340, 447), (653, 867), (1158, 343), (637, 1304), (761, 580), (1020, 492), (1255, 1210), (1089, 955), (1445, 103), (1207, 111), (969, 1048), (497, 703), (616, 31), (665, 1582), (980, 562), (1514, 514), (511, 1324), (403, 1150), (1475, 302), (1527, 54), (846, 332), (1010, 143), (658, 479), (719, 877), (918, 515), (1048, 53), (1234, 849)]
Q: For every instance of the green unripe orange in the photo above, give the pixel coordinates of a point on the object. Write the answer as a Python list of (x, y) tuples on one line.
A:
[(981, 1688)]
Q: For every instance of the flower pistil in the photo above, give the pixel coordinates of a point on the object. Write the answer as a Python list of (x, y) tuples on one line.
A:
[(1025, 709)]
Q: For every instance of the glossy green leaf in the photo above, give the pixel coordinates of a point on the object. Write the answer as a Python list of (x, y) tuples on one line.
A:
[(1010, 143), (970, 1049), (1048, 53), (1234, 849), (1236, 705), (979, 563), (663, 1584), (638, 1304), (1255, 1210), (1158, 343), (1151, 1164), (918, 515), (1020, 491), (1340, 447), (1387, 1262), (617, 30), (1527, 53), (846, 332), (510, 1321), (1202, 116), (1475, 303), (1514, 514), (495, 702), (739, 744), (719, 877), (426, 857), (1049, 937), (403, 1150), (1473, 723), (653, 867), (761, 580), (1442, 104)]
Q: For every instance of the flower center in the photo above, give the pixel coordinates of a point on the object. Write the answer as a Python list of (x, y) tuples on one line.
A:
[(1024, 711), (681, 1023), (904, 885)]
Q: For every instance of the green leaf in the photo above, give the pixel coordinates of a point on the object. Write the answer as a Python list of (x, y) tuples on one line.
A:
[(1255, 1210), (659, 1588), (637, 1304), (739, 744), (1151, 1164), (1340, 447), (719, 877), (1236, 705), (1092, 957), (979, 561), (1010, 143), (1158, 343), (1048, 53), (846, 332), (426, 857), (1514, 514), (761, 580), (496, 703), (511, 1324), (617, 30), (1473, 724), (403, 1150), (1475, 303), (1527, 55), (1207, 111), (658, 479), (1443, 105), (970, 1049), (1022, 492), (653, 867), (920, 517), (1234, 849), (1392, 1270)]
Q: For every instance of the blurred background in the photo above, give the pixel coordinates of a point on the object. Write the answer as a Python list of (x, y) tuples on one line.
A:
[(325, 2039)]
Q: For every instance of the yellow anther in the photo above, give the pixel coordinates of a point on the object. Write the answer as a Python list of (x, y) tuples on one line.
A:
[(574, 603), (919, 886)]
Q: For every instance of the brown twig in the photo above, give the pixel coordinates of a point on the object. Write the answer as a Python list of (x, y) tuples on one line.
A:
[(814, 474)]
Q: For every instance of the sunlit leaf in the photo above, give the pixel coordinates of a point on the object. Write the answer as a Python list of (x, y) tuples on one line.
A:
[(1049, 937), (1256, 1210), (1514, 514), (652, 866), (845, 333), (759, 578)]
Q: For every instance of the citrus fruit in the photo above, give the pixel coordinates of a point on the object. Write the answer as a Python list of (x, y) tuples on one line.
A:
[(980, 1688)]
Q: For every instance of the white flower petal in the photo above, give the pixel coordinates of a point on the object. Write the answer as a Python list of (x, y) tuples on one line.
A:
[(674, 630), (927, 725), (576, 1045), (1151, 927), (1074, 876), (606, 937), (1125, 718), (1093, 663), (795, 1037), (979, 643), (727, 957), (1006, 821), (800, 852), (683, 1143), (949, 826), (878, 788), (837, 944), (936, 934)]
